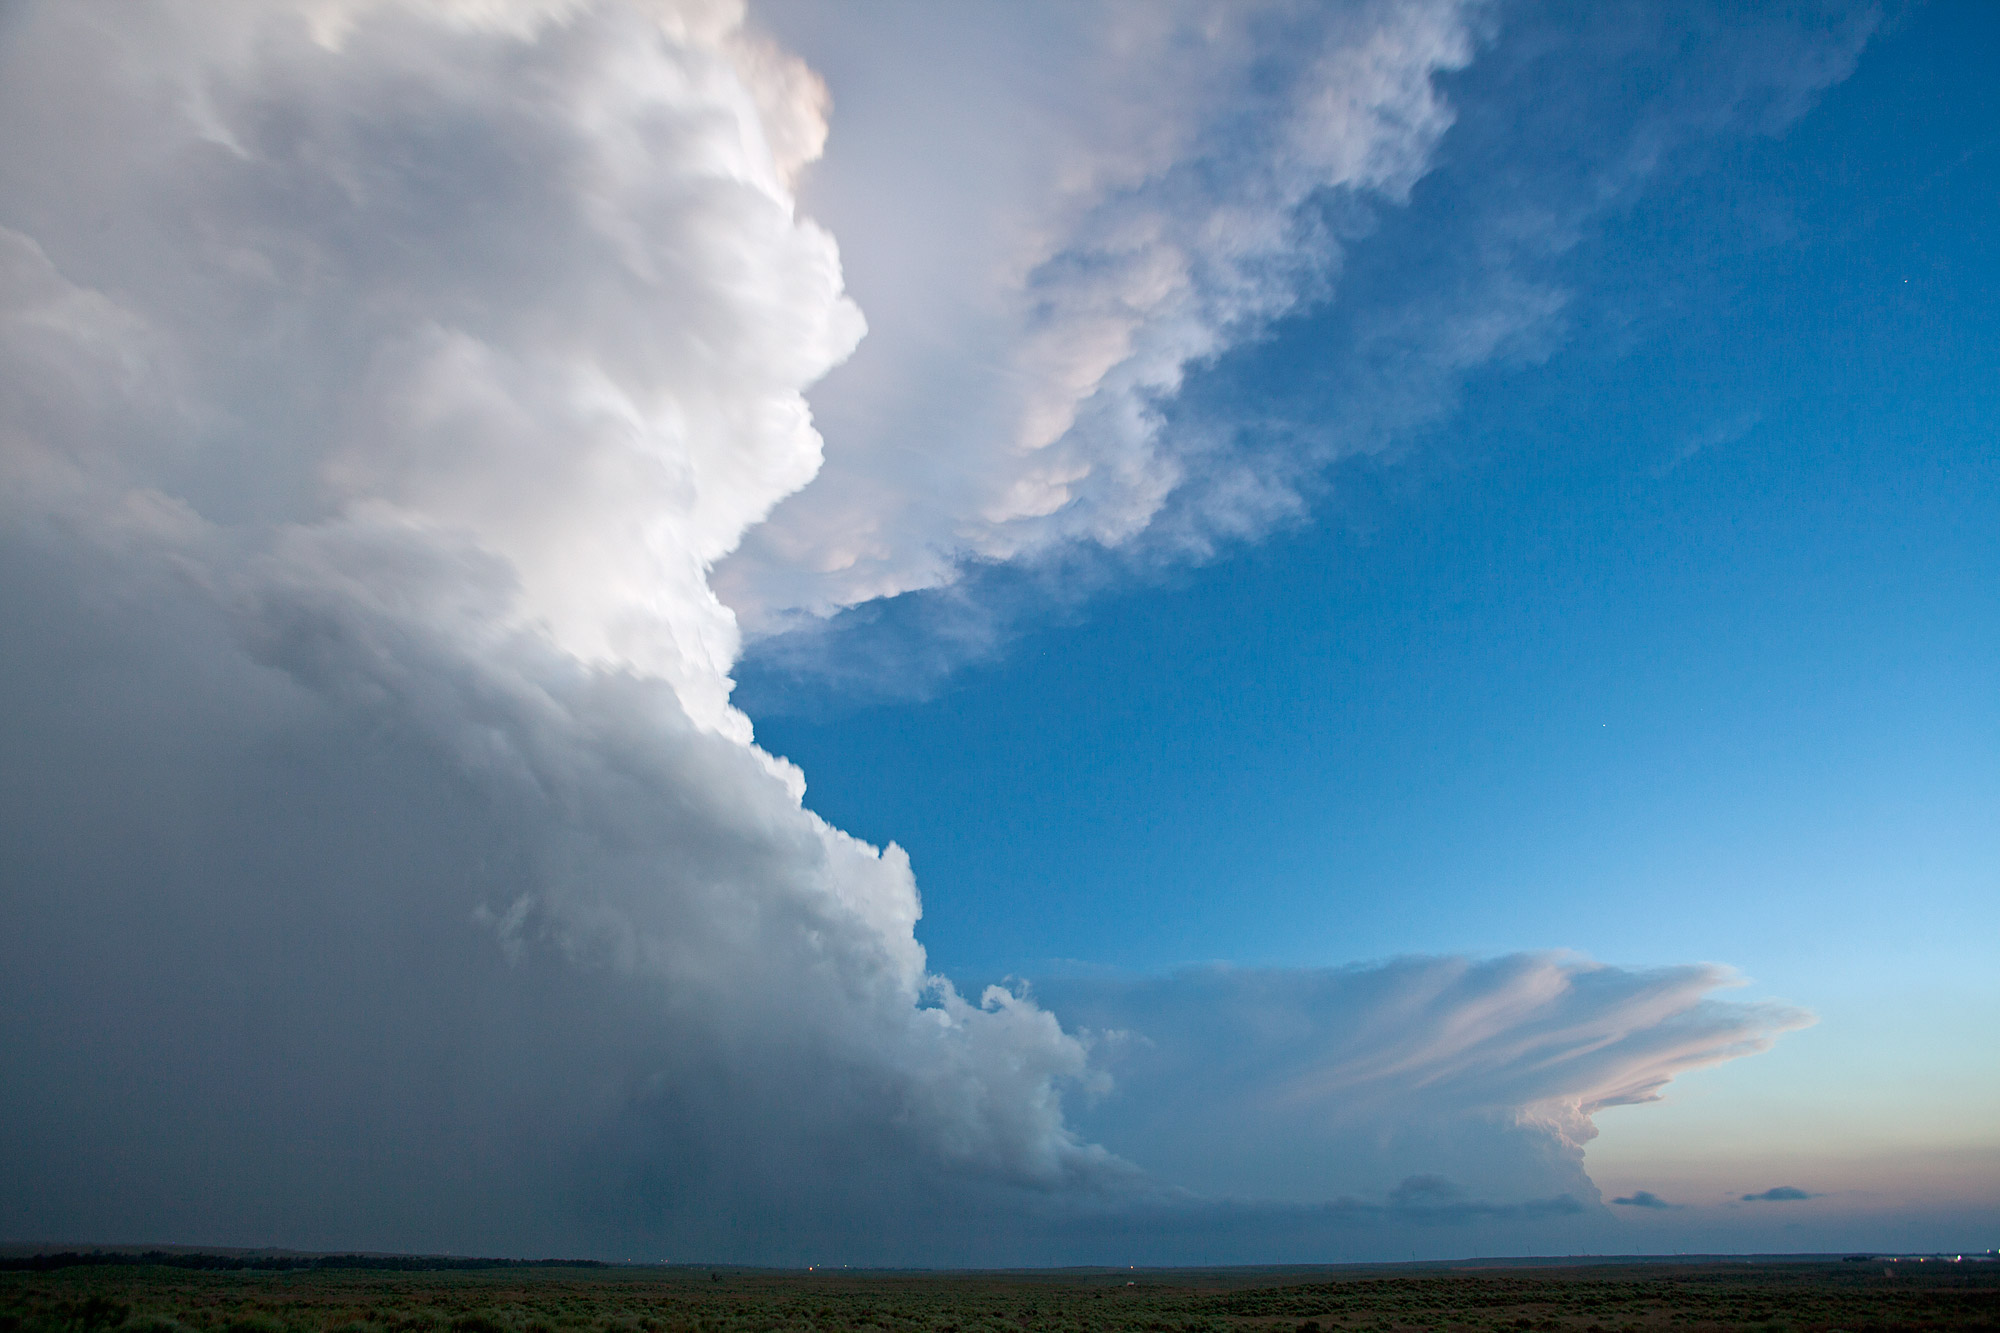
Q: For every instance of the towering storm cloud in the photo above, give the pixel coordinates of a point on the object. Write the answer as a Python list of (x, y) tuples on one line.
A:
[(385, 864)]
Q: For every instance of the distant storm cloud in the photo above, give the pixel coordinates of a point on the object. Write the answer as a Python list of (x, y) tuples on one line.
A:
[(385, 862), (1779, 1194), (1472, 1075)]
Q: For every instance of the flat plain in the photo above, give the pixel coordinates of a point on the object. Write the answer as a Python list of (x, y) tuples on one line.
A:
[(1773, 1296)]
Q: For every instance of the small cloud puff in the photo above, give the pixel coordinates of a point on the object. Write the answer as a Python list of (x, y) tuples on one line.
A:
[(1646, 1199), (1779, 1194)]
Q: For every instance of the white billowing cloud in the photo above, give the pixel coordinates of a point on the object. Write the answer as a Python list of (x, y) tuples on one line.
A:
[(1148, 185), (526, 273), (384, 863), (426, 357)]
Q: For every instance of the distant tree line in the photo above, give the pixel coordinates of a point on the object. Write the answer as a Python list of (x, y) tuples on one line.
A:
[(282, 1263)]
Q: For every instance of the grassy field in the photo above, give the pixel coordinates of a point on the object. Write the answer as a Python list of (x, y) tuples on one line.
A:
[(1775, 1297)]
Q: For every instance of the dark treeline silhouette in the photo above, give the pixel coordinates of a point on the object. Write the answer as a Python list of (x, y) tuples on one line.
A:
[(402, 1263)]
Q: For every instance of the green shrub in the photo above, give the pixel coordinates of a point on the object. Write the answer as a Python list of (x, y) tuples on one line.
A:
[(253, 1323), (477, 1323)]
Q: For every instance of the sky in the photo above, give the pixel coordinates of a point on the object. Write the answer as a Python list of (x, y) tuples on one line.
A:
[(999, 634)]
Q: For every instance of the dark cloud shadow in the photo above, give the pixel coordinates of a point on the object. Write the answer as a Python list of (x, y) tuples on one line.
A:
[(1779, 1194), (1646, 1199)]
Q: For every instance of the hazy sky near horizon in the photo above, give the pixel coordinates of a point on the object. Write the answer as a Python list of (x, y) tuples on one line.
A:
[(995, 633)]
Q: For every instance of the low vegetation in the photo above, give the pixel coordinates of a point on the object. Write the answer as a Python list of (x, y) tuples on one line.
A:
[(183, 1295)]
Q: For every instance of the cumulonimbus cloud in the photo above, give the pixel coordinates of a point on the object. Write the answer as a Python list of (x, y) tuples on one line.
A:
[(385, 863), (426, 358)]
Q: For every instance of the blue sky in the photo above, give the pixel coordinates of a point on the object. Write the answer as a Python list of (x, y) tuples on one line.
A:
[(1677, 644), (1124, 632)]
